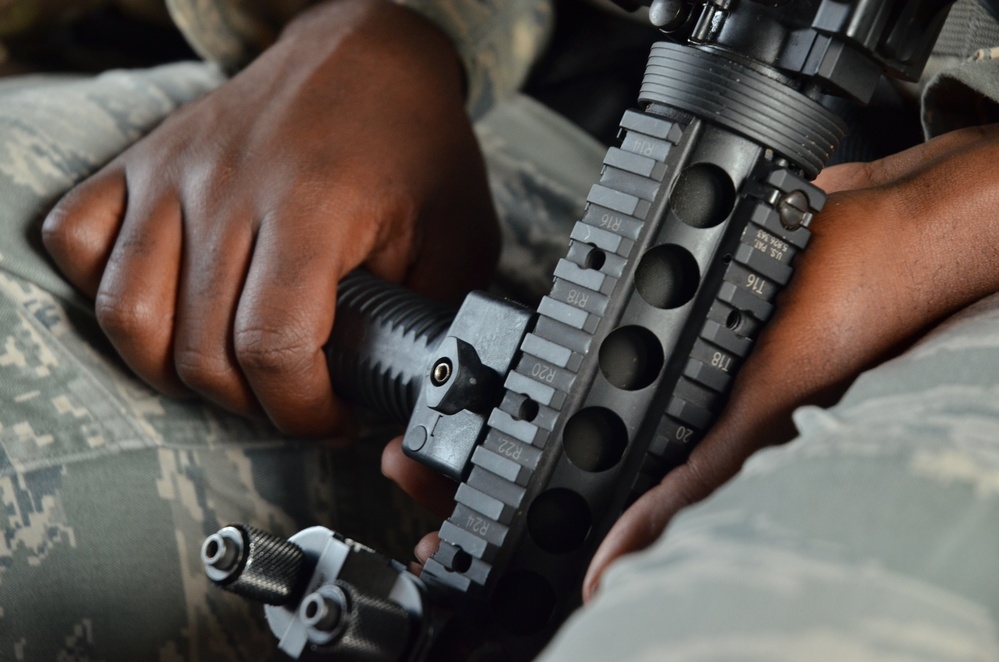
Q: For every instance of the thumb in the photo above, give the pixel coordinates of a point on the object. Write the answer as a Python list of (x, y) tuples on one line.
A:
[(711, 464), (644, 521)]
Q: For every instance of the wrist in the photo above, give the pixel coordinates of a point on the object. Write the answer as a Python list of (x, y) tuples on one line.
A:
[(382, 30)]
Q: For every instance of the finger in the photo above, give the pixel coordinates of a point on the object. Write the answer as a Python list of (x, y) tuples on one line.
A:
[(135, 301), (427, 487), (642, 523), (747, 426), (427, 547), (283, 319), (847, 176), (216, 256), (454, 248), (814, 331), (80, 231), (450, 269), (424, 549)]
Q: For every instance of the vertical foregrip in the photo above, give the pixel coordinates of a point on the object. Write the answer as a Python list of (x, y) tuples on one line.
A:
[(381, 341)]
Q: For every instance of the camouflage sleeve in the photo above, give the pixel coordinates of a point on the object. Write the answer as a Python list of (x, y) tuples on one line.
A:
[(873, 536), (962, 88), (230, 33), (497, 40)]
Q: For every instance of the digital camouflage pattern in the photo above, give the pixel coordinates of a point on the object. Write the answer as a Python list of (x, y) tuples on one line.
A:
[(107, 488), (497, 40), (883, 515), (873, 536)]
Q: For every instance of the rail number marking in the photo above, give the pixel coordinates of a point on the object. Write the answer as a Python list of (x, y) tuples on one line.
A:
[(543, 373)]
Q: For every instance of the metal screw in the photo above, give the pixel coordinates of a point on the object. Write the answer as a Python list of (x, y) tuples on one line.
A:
[(441, 372), (793, 210), (321, 612)]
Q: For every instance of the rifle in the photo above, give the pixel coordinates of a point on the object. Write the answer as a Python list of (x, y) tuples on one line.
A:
[(554, 420)]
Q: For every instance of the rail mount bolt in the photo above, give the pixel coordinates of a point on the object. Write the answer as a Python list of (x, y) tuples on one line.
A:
[(793, 210)]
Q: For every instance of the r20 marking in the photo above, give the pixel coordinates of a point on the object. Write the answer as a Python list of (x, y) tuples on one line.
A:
[(543, 373), (684, 434)]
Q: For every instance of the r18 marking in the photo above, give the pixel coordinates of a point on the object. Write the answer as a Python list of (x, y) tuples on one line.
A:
[(577, 298)]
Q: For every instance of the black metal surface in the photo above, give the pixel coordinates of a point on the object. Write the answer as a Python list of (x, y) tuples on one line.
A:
[(268, 568), (380, 344)]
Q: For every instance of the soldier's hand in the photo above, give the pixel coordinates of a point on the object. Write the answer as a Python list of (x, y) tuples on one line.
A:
[(902, 243), (212, 248)]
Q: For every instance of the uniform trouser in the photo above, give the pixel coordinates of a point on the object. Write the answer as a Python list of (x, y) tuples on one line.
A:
[(876, 534), (873, 536), (108, 489)]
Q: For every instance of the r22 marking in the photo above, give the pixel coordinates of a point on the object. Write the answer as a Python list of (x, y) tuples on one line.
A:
[(510, 449)]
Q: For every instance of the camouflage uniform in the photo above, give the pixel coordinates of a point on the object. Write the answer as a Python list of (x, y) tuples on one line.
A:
[(107, 489), (497, 39)]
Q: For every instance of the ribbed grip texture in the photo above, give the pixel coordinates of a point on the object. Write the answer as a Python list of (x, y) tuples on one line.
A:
[(272, 568), (377, 629), (381, 343)]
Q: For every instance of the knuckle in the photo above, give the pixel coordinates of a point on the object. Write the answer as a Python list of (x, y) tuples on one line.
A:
[(61, 235), (200, 370), (122, 316), (271, 350)]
